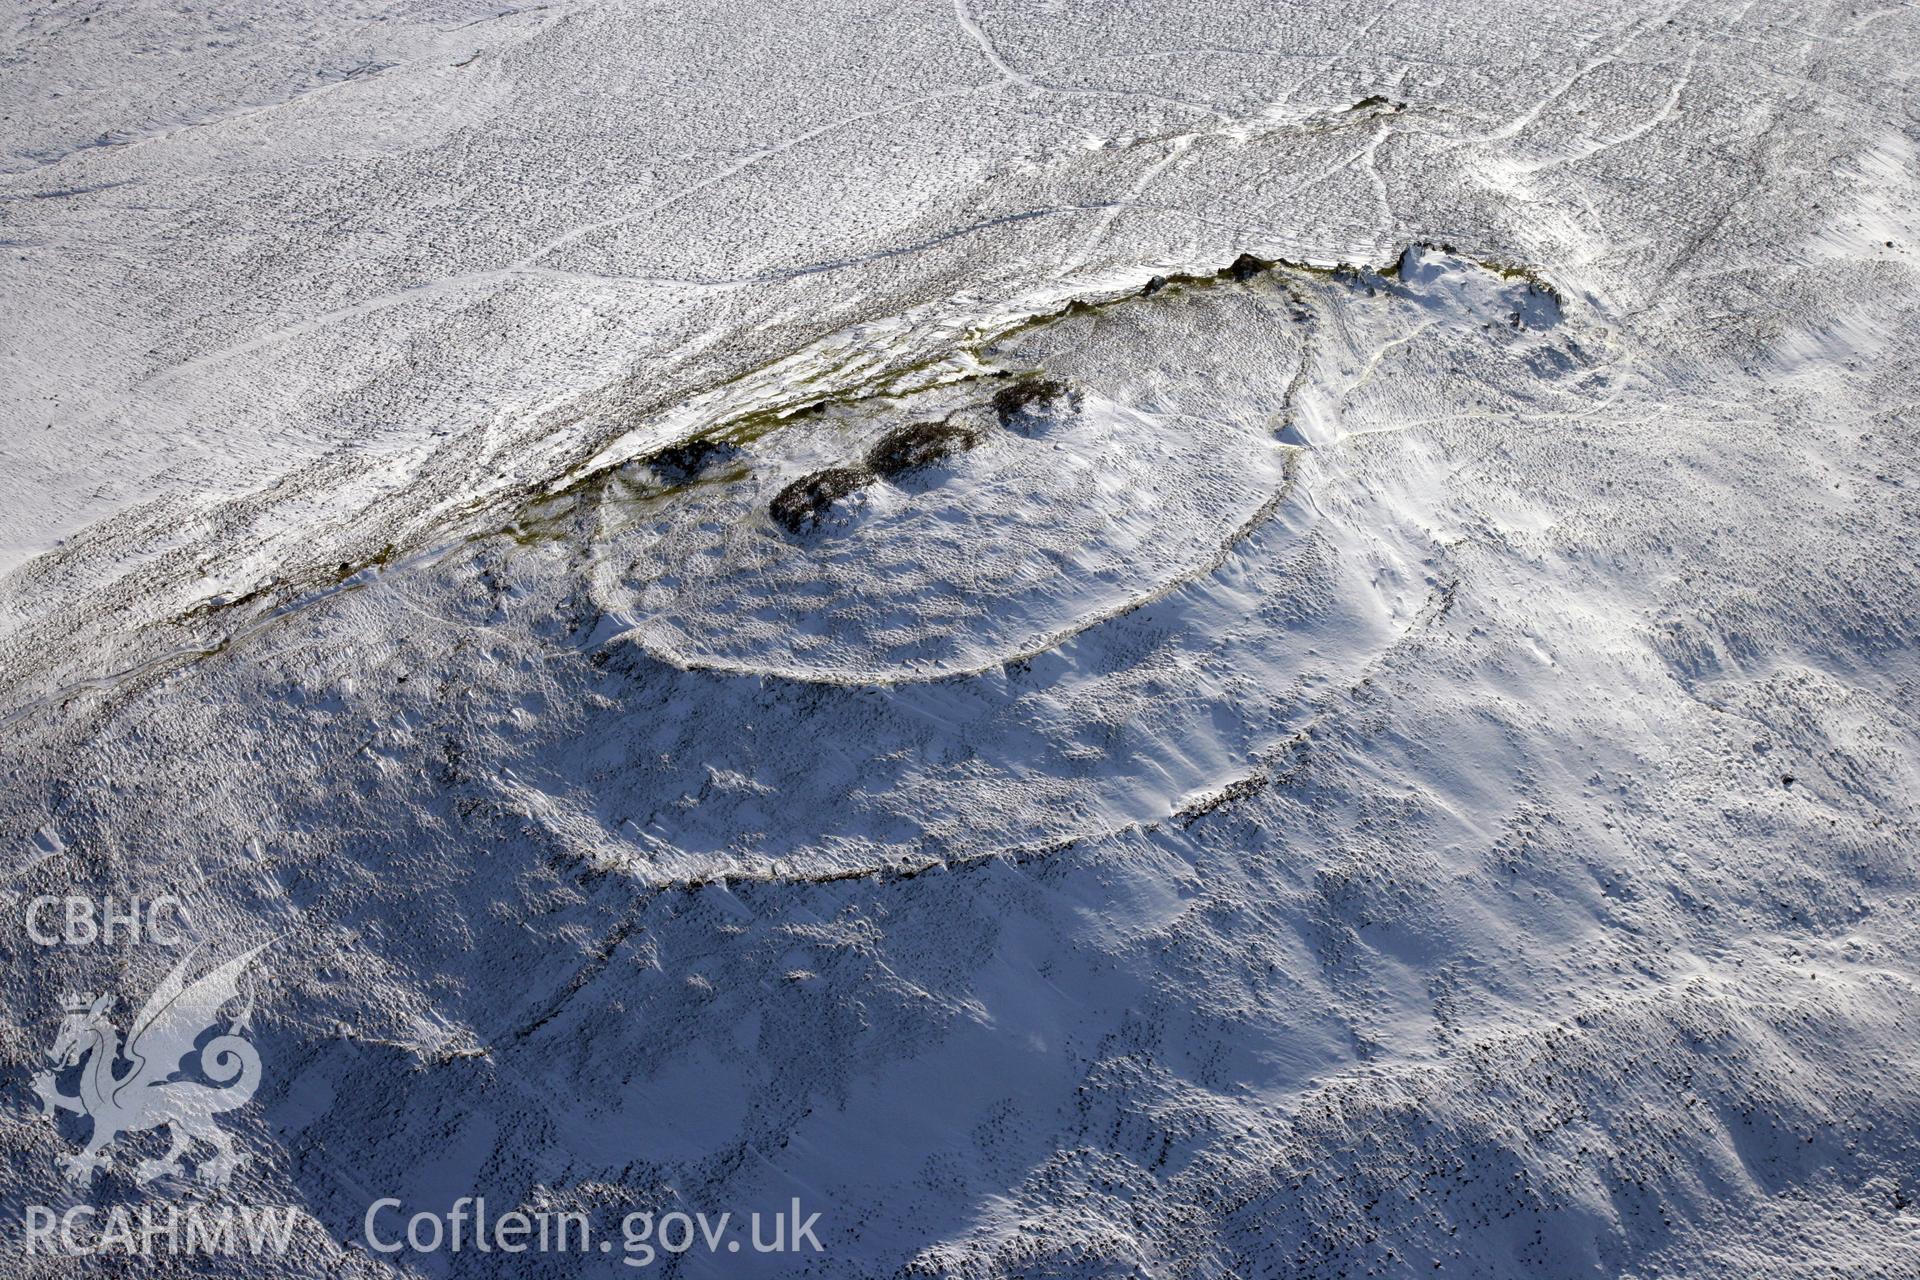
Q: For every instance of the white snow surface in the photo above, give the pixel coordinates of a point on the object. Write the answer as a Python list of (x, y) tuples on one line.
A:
[(1405, 764)]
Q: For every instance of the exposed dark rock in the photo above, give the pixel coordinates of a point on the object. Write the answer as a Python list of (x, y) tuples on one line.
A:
[(922, 444), (1246, 267), (1029, 404), (802, 505), (680, 463), (1153, 286)]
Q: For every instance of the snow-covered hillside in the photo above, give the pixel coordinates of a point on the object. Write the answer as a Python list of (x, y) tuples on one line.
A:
[(1142, 639)]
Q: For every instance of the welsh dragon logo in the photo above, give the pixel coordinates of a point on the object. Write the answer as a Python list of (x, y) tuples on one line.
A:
[(146, 1094)]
